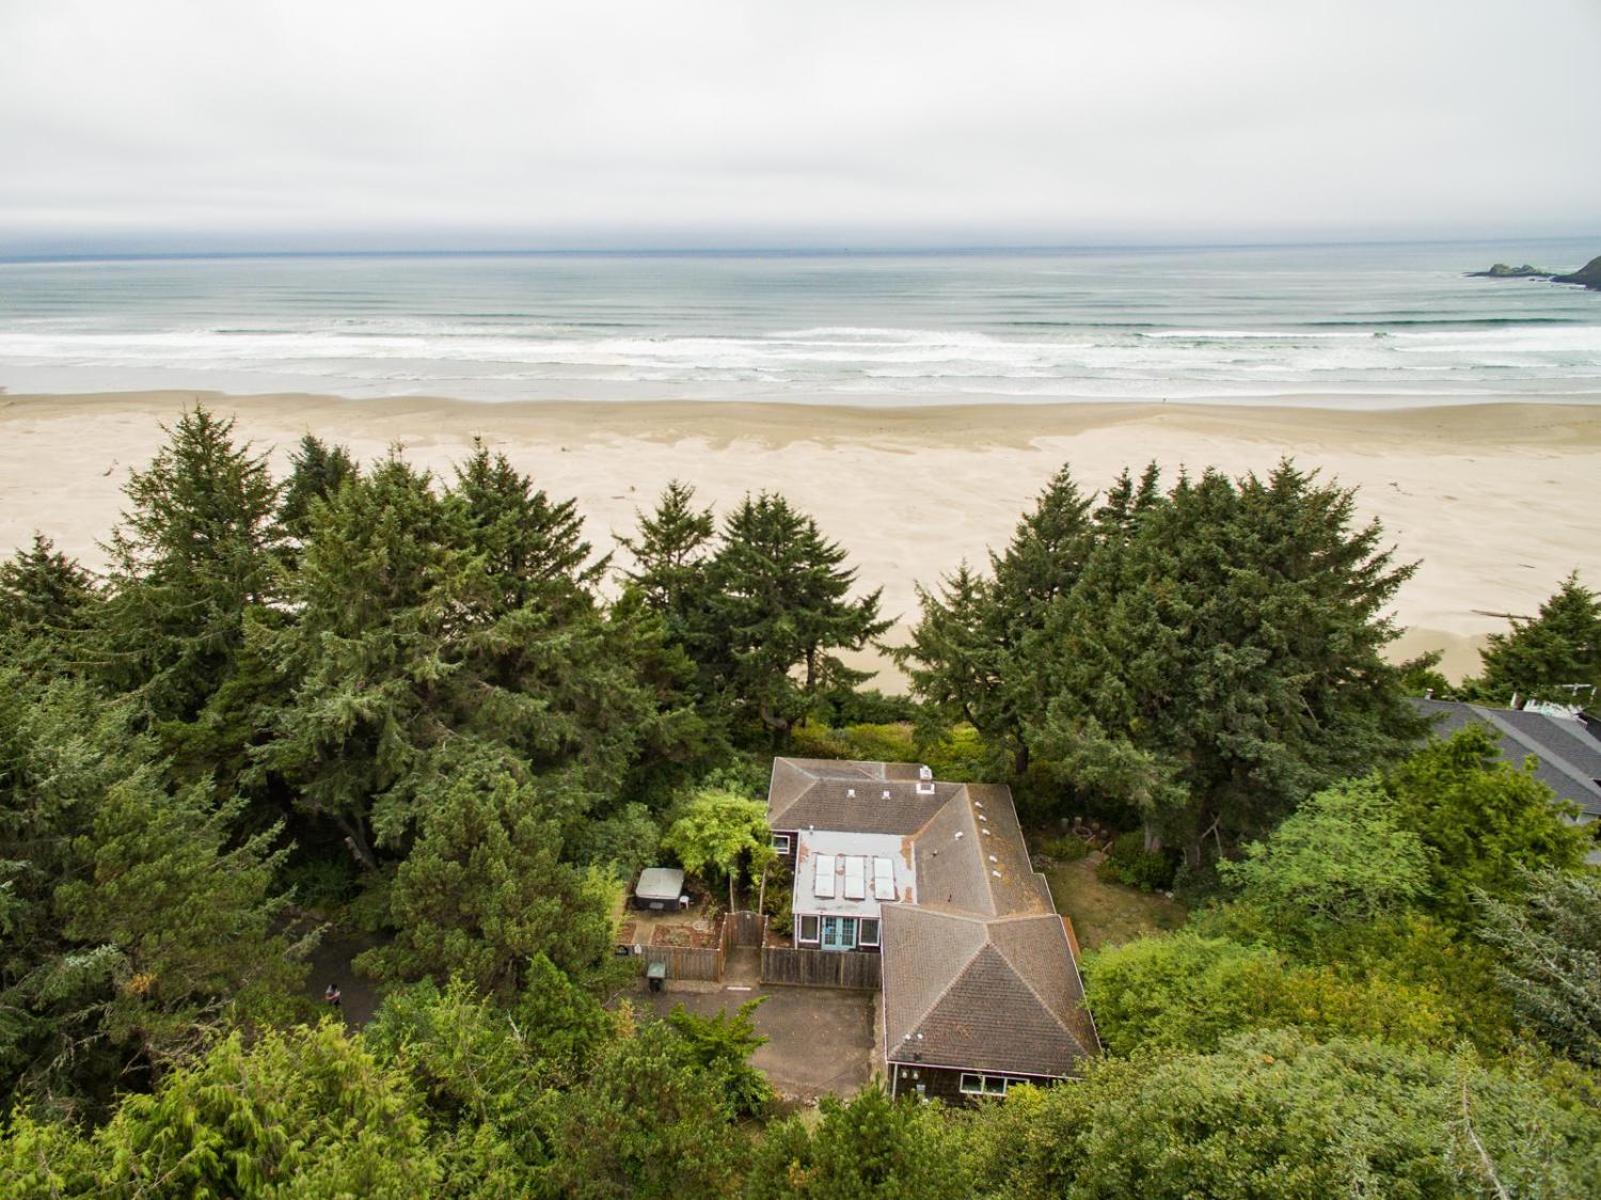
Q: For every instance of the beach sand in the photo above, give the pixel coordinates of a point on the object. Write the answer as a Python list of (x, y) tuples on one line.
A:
[(1496, 500)]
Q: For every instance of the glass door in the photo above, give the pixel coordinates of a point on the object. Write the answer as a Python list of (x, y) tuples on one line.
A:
[(839, 933)]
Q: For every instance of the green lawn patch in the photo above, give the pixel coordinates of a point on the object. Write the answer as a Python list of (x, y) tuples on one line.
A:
[(1105, 914)]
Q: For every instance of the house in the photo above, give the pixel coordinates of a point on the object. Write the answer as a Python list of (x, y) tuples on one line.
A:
[(1565, 742), (980, 985)]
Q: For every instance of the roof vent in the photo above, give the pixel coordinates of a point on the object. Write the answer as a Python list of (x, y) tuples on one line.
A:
[(886, 793), (850, 793)]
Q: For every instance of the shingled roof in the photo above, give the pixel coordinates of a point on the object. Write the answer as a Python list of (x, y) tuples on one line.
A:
[(997, 994), (1569, 754), (853, 797), (978, 974)]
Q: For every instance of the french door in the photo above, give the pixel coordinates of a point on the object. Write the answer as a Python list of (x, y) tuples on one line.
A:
[(839, 933)]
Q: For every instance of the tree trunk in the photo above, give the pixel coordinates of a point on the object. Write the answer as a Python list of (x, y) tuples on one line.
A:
[(356, 839)]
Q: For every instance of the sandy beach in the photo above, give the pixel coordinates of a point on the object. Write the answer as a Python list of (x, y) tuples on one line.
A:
[(1494, 499)]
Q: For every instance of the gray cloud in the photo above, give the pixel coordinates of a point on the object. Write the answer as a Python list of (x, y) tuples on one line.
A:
[(183, 123)]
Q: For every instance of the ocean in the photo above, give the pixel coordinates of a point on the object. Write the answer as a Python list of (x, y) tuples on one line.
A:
[(1354, 326)]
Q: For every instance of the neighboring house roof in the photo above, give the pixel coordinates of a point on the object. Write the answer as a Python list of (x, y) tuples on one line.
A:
[(1569, 753), (978, 972)]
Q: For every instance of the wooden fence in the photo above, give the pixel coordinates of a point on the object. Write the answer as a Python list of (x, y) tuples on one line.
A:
[(686, 962), (821, 968)]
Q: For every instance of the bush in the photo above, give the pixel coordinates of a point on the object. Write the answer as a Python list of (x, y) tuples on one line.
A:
[(1067, 848), (1132, 864)]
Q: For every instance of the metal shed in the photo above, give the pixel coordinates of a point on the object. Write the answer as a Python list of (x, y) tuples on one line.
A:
[(660, 889)]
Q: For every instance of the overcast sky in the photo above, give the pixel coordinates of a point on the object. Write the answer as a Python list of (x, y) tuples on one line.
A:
[(319, 124)]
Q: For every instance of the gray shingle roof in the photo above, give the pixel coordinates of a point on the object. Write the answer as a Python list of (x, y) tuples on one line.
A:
[(988, 995), (852, 797), (1569, 755)]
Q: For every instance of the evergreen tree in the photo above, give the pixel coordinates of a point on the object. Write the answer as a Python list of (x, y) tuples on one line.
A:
[(1554, 657), (133, 917), (1552, 966), (381, 592), (316, 472), (46, 604), (783, 606), (525, 542), (672, 559), (1225, 659), (483, 891), (194, 555), (952, 660), (406, 639), (968, 654)]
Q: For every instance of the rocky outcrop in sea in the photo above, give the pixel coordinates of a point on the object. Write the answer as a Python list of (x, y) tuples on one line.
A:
[(1502, 271), (1588, 276)]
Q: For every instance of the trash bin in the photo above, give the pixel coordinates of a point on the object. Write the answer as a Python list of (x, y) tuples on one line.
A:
[(654, 974)]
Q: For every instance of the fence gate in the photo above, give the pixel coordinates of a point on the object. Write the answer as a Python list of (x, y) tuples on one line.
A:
[(748, 928)]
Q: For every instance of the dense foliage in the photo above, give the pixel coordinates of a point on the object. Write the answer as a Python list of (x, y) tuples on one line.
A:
[(430, 713), (1199, 659)]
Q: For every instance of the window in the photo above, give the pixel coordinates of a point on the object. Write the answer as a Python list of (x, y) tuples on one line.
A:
[(808, 929), (781, 842), (984, 1085), (869, 932)]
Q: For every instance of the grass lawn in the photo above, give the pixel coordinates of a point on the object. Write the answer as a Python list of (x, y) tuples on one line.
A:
[(1105, 914)]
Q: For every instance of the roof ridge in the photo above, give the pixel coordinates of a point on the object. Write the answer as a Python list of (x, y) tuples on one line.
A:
[(951, 982), (1033, 991), (1551, 758)]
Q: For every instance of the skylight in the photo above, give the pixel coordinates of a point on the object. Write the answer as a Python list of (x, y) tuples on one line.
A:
[(883, 879), (855, 877), (823, 885)]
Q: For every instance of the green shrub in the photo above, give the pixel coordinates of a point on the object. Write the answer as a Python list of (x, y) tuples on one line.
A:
[(1132, 864), (1067, 848)]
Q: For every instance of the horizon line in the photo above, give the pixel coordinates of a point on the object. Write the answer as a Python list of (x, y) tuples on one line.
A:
[(755, 251)]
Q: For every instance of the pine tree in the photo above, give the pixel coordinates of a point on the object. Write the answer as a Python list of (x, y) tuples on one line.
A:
[(316, 472), (484, 890), (406, 639), (526, 542), (672, 560), (135, 917), (951, 660), (46, 602), (194, 554), (1554, 657), (1227, 660), (967, 653), (782, 602)]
